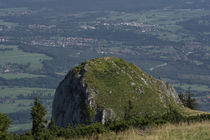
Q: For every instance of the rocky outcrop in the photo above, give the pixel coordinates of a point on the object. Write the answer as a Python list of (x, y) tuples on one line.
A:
[(74, 103), (85, 95)]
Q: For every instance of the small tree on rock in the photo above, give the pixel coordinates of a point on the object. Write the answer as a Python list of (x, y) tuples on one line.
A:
[(182, 98), (190, 102), (129, 111)]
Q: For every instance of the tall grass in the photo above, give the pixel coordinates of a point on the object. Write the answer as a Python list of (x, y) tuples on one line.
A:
[(183, 131)]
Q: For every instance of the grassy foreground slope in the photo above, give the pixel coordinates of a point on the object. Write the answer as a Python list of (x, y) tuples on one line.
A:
[(183, 131)]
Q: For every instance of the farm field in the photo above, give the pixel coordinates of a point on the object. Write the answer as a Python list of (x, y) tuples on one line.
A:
[(3, 23), (17, 103), (15, 91), (10, 76), (18, 127), (17, 56)]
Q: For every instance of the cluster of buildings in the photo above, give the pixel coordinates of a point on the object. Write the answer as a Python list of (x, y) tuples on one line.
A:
[(5, 28), (67, 42), (39, 26), (19, 12), (6, 100), (3, 39), (136, 24), (143, 27)]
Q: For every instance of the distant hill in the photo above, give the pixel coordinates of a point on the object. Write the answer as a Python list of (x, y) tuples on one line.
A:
[(84, 5), (105, 88)]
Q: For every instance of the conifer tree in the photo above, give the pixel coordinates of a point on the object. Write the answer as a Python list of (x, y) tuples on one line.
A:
[(182, 98), (52, 127), (190, 102), (4, 125), (187, 99), (38, 117), (129, 111)]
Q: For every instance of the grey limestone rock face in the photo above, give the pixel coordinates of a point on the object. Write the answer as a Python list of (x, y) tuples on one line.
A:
[(170, 91), (71, 101)]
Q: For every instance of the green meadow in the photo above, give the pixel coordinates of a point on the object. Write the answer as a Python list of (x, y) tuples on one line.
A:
[(16, 127), (193, 87), (17, 56), (10, 76), (4, 23), (14, 91)]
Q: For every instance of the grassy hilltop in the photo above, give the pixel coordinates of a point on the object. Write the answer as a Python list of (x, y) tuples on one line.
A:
[(117, 82)]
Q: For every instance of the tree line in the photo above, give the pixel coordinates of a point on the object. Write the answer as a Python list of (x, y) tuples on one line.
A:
[(42, 130), (187, 99)]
